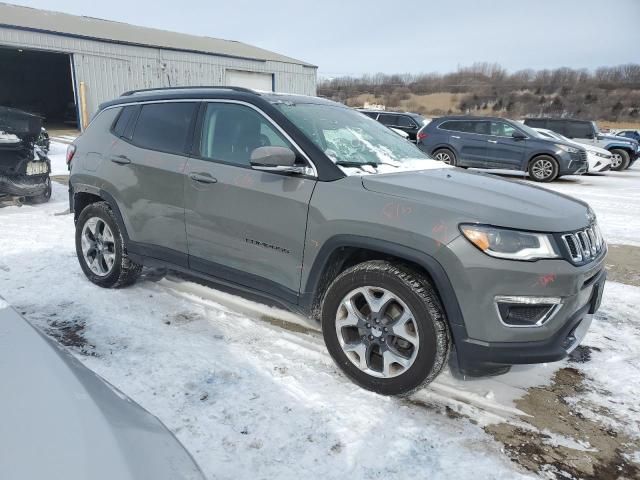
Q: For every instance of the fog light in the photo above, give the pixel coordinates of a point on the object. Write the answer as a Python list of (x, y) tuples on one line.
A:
[(516, 311)]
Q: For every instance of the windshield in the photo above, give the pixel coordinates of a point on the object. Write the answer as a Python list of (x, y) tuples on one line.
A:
[(351, 139)]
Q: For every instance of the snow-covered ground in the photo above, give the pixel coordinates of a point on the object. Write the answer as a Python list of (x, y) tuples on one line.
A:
[(252, 392)]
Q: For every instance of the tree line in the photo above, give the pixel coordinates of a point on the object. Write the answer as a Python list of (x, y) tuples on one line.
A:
[(606, 93)]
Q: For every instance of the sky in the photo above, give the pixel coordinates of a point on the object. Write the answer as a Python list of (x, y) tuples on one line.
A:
[(353, 37)]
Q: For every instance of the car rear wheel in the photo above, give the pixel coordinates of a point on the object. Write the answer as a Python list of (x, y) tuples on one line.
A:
[(446, 156), (619, 159), (543, 169), (101, 250), (384, 326)]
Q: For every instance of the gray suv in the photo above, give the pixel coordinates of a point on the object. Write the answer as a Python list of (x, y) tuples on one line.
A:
[(311, 205), (493, 142)]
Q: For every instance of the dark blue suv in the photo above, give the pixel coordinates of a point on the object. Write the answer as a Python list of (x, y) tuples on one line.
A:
[(492, 142)]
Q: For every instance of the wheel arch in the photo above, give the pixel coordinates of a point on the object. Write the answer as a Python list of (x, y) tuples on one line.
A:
[(85, 196), (343, 251)]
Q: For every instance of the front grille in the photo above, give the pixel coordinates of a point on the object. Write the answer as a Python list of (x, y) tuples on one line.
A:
[(584, 245), (580, 156)]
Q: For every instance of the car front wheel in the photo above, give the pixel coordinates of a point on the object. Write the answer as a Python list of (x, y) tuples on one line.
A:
[(101, 250), (384, 326), (619, 159), (543, 169)]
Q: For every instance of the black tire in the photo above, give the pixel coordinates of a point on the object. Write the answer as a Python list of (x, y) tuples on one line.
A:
[(43, 197), (124, 271), (446, 156), (543, 168), (622, 159), (416, 291)]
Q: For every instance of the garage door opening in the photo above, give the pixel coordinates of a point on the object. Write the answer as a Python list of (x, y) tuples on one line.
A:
[(41, 83), (253, 80)]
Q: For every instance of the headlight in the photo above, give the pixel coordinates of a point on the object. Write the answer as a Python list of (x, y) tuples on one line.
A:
[(598, 154), (567, 148), (510, 244)]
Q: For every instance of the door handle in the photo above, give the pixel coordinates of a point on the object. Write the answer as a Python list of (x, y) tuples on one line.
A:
[(455, 136), (492, 141), (121, 160), (202, 178)]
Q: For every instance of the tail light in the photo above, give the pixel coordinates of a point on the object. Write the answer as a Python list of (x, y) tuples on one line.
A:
[(421, 136), (71, 151)]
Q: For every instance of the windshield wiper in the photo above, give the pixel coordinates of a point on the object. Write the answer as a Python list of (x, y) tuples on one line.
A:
[(345, 163)]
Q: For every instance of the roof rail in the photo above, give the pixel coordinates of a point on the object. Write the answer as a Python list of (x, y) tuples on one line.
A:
[(163, 89)]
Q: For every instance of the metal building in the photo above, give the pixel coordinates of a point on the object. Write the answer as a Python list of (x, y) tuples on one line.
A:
[(63, 66)]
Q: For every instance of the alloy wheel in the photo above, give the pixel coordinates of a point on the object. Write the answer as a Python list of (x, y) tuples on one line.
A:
[(98, 246), (616, 161), (443, 157), (542, 169), (377, 331)]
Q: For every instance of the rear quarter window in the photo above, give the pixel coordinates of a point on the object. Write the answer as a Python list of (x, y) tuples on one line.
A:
[(124, 117), (164, 126)]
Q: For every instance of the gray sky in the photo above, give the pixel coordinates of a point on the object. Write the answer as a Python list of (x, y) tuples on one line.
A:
[(351, 37)]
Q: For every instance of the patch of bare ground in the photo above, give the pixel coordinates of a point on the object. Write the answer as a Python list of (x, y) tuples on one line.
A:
[(559, 442), (623, 264)]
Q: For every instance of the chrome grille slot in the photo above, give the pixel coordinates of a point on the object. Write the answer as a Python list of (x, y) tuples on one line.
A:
[(584, 245)]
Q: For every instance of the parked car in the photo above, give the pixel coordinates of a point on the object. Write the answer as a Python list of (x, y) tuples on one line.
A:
[(63, 421), (633, 134), (24, 167), (625, 151), (407, 122), (311, 205), (599, 159), (492, 142)]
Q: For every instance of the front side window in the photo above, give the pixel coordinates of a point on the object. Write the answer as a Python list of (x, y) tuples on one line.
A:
[(230, 132), (164, 126), (405, 122), (501, 129), (353, 140)]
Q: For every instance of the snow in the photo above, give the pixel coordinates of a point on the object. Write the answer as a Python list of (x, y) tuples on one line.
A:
[(8, 137), (251, 391), (58, 156)]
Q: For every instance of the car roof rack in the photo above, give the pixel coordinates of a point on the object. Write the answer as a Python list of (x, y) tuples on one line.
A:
[(198, 87)]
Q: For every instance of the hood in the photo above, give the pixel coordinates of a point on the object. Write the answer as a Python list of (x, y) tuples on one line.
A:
[(66, 422), (616, 138), (485, 198)]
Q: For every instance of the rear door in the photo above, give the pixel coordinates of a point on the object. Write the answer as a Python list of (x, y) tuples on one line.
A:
[(503, 150), (582, 132), (148, 164), (243, 225), (469, 141)]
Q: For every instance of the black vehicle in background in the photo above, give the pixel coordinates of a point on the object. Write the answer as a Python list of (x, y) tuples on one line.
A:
[(409, 123), (24, 165)]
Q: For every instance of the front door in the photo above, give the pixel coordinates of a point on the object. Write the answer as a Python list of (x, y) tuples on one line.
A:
[(244, 225), (504, 151)]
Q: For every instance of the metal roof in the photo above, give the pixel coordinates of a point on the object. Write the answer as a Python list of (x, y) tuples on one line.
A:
[(27, 18)]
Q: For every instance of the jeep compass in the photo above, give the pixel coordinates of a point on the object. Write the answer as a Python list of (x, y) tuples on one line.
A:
[(309, 204)]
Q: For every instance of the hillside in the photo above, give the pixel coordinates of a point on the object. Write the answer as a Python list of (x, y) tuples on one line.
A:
[(609, 94)]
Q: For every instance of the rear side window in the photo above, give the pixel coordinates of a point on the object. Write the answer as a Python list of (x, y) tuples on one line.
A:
[(123, 120), (387, 119), (467, 126), (579, 130), (164, 126)]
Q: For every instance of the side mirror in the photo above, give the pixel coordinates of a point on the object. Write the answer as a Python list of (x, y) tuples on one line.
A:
[(275, 159), (518, 135)]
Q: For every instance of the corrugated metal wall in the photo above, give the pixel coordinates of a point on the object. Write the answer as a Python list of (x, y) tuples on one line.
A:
[(108, 69)]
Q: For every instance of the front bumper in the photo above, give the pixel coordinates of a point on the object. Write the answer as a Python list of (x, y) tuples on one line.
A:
[(483, 341), (23, 185)]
